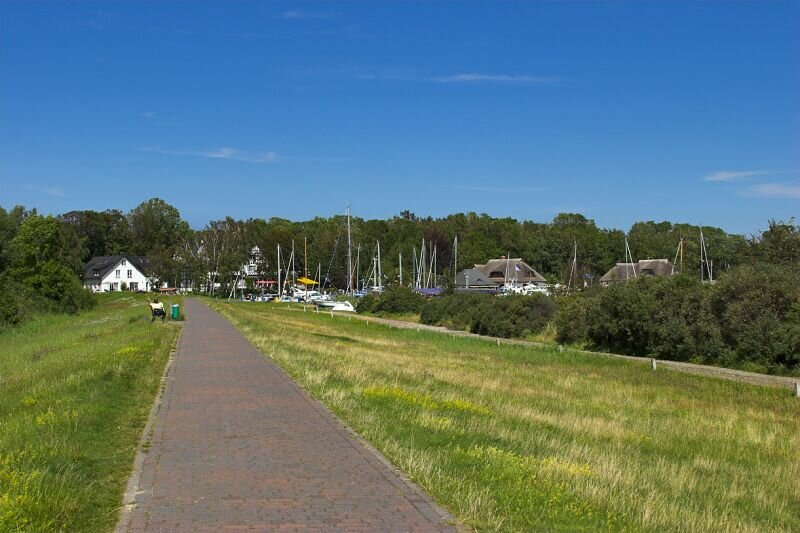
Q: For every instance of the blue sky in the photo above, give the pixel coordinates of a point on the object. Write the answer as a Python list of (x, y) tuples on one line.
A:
[(622, 111)]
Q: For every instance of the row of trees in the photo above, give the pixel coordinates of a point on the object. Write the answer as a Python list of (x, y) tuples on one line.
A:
[(180, 254)]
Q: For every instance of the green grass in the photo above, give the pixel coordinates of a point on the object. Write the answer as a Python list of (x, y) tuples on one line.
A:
[(75, 392), (517, 438)]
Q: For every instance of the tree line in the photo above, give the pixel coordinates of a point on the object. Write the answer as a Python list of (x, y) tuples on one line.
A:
[(181, 255)]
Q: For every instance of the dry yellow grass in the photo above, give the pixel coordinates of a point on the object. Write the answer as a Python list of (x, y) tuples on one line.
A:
[(525, 439)]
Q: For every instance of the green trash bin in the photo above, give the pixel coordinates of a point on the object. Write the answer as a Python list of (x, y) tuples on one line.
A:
[(174, 308)]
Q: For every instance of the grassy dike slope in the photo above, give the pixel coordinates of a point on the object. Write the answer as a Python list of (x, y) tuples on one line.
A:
[(75, 392), (522, 439)]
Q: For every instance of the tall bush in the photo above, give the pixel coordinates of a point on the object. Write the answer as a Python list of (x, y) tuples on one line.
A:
[(510, 316), (756, 307)]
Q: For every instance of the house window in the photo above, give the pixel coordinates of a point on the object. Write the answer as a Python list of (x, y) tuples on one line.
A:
[(96, 273), (123, 262), (134, 286), (130, 274), (117, 274), (112, 287), (496, 274)]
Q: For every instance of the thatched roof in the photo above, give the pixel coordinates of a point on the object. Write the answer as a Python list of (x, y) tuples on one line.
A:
[(473, 277), (516, 268), (646, 267)]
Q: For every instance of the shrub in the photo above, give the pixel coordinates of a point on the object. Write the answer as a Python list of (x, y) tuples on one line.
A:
[(622, 320), (756, 307), (393, 300), (571, 318), (510, 316), (750, 318), (684, 329)]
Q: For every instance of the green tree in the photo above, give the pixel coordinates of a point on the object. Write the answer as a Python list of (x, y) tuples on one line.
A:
[(156, 232), (40, 259), (754, 305), (105, 233), (780, 244)]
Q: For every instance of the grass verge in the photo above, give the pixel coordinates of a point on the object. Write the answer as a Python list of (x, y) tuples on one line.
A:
[(76, 392), (529, 439)]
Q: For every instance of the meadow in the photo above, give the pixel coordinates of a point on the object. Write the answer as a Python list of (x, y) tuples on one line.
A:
[(76, 393), (513, 438)]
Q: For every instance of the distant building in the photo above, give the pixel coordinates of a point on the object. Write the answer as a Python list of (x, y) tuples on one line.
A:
[(662, 268), (513, 270), (249, 269), (111, 273), (472, 278)]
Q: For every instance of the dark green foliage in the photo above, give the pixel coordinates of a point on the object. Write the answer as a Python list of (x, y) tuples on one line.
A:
[(622, 319), (394, 300), (571, 318), (43, 256), (683, 327), (756, 308), (750, 318), (780, 244), (105, 233), (510, 316)]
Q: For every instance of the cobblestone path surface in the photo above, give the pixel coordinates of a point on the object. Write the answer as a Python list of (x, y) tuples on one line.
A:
[(239, 446)]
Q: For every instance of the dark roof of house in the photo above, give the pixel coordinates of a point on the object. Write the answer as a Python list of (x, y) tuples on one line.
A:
[(475, 277), (102, 264), (652, 267), (525, 274)]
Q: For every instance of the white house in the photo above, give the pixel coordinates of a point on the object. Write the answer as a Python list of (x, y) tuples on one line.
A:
[(111, 273)]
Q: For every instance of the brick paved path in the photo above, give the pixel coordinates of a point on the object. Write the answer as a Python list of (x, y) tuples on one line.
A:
[(238, 446)]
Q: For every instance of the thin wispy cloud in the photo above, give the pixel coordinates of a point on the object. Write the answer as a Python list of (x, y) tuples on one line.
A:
[(473, 77), (741, 175), (50, 191), (464, 78), (481, 188), (233, 154), (148, 114), (781, 190), (297, 14)]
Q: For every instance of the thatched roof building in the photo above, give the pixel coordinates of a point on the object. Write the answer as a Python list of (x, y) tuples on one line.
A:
[(512, 269), (646, 267), (474, 278)]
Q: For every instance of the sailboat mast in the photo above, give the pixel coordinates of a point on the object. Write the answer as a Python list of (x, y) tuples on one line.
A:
[(629, 255), (414, 269), (358, 264), (703, 257), (435, 265), (379, 273), (280, 287), (305, 256), (505, 281), (573, 272), (294, 270), (455, 259), (349, 256), (401, 269)]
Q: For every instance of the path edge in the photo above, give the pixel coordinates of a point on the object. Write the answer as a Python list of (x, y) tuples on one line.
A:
[(421, 500), (129, 497)]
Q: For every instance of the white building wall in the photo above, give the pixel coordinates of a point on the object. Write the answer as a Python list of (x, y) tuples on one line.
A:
[(121, 273)]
